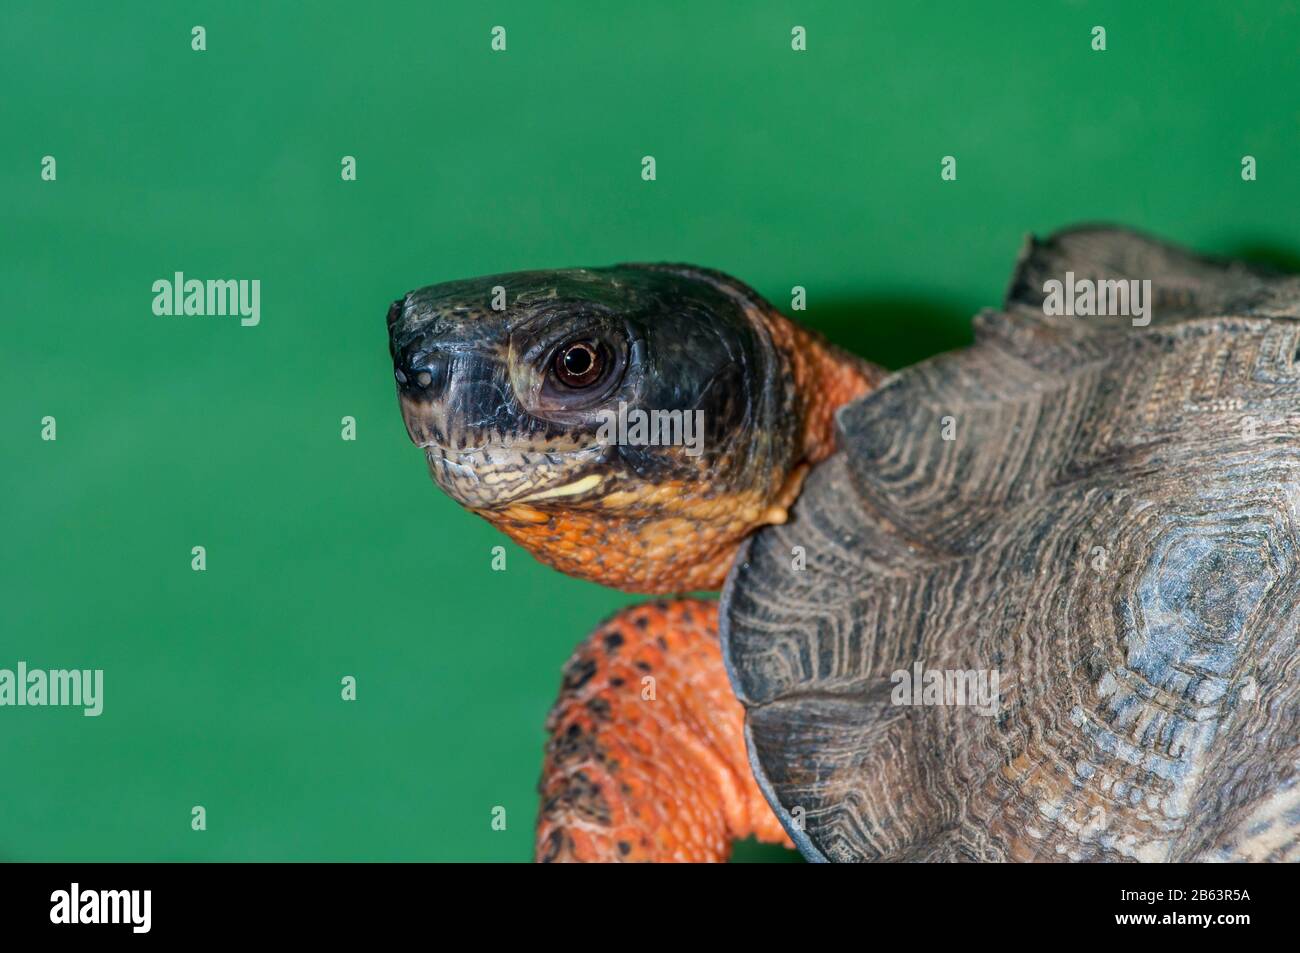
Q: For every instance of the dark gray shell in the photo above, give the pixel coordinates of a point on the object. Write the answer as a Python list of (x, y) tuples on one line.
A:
[(1112, 529)]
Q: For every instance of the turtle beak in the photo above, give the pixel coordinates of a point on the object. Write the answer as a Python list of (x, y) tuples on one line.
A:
[(452, 394), (423, 374)]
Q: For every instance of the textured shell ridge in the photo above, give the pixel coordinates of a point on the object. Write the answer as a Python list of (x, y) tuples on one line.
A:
[(1107, 517)]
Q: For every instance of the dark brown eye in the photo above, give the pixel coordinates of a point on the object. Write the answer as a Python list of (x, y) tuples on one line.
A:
[(579, 364)]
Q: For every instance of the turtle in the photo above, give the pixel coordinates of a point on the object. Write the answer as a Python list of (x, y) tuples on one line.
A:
[(1036, 599)]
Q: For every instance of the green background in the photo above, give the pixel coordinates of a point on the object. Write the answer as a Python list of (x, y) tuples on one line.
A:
[(328, 558)]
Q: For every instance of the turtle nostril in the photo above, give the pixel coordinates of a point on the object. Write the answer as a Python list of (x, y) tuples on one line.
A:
[(422, 375)]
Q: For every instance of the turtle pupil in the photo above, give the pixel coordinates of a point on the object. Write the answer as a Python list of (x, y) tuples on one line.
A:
[(578, 365), (577, 360)]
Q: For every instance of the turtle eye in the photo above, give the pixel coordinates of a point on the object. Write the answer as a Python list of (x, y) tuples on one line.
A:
[(571, 372), (580, 363)]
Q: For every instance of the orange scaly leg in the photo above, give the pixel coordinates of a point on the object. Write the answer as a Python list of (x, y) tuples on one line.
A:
[(647, 760)]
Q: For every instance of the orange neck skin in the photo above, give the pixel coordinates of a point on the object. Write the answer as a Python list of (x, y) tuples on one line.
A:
[(683, 536), (826, 377)]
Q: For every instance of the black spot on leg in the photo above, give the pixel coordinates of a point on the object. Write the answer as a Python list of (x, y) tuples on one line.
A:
[(573, 745), (641, 622), (583, 797), (624, 848), (599, 709), (643, 666), (662, 643), (551, 850), (578, 673), (612, 642), (617, 682)]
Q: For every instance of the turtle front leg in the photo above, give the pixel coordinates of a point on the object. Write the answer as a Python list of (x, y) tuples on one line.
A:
[(646, 760)]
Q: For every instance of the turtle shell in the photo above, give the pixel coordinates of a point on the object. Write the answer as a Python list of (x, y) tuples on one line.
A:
[(1043, 602)]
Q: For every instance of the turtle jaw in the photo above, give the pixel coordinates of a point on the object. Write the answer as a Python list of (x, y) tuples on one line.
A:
[(494, 477)]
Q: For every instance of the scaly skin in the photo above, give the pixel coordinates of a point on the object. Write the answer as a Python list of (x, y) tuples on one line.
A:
[(628, 777), (647, 754)]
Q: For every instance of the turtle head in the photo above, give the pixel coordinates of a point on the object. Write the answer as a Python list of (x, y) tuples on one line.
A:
[(626, 424)]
